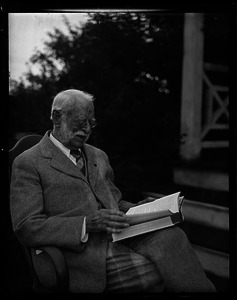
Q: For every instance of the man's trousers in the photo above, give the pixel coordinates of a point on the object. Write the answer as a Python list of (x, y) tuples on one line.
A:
[(160, 261)]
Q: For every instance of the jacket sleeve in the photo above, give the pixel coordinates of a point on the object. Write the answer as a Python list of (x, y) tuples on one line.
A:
[(30, 223), (122, 204)]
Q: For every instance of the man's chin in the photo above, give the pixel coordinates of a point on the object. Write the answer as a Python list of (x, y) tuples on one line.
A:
[(79, 141)]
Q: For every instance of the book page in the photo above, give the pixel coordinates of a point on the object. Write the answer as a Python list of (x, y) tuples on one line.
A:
[(140, 218), (143, 228), (167, 203)]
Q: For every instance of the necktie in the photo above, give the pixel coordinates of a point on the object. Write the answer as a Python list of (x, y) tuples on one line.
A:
[(76, 154), (79, 159)]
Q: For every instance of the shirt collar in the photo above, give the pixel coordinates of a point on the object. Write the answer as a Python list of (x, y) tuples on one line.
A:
[(58, 144)]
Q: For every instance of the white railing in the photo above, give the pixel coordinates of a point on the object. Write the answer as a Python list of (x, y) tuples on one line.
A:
[(216, 101)]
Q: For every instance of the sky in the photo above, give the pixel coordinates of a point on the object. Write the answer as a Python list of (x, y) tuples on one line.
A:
[(27, 31)]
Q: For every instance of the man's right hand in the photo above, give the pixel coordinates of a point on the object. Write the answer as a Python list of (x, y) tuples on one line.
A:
[(110, 220)]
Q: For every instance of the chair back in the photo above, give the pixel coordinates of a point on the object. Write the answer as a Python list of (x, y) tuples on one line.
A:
[(55, 255), (23, 144)]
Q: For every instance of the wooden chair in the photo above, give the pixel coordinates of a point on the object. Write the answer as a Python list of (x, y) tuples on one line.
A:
[(53, 255)]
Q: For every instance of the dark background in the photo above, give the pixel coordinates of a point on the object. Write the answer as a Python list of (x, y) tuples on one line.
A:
[(132, 64)]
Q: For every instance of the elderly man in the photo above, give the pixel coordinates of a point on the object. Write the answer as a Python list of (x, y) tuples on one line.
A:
[(62, 194)]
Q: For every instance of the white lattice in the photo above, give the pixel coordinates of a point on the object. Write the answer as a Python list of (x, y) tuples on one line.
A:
[(216, 104)]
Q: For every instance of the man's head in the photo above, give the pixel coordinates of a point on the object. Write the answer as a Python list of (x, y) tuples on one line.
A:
[(72, 114)]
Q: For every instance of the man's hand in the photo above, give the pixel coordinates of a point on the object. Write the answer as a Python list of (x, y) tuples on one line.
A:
[(147, 200), (110, 220)]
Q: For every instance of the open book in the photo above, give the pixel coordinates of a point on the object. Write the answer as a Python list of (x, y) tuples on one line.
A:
[(158, 214)]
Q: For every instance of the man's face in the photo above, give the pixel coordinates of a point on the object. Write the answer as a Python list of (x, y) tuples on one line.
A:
[(76, 126)]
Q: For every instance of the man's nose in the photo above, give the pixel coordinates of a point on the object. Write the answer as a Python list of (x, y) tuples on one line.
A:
[(86, 128)]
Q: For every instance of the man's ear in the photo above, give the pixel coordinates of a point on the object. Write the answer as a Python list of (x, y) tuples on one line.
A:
[(56, 118)]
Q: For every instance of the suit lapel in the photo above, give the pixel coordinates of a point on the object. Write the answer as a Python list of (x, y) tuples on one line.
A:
[(59, 160), (91, 164), (99, 190), (63, 164)]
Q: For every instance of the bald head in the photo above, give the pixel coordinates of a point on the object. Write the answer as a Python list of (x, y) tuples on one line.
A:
[(69, 100)]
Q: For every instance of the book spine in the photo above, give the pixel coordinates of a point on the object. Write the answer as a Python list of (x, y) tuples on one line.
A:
[(177, 218)]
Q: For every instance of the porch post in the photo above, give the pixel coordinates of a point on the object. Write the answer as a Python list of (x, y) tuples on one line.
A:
[(192, 77)]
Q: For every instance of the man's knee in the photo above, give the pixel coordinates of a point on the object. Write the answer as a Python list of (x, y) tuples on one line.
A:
[(171, 234), (160, 241), (170, 237), (174, 233)]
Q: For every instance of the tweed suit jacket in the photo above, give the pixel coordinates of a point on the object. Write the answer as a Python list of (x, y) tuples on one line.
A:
[(49, 198)]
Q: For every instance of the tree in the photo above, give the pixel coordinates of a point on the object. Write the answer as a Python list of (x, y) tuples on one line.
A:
[(131, 63)]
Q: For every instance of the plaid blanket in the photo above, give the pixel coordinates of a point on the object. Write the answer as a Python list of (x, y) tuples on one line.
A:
[(128, 271)]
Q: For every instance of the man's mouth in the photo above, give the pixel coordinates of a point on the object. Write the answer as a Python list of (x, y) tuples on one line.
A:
[(81, 137)]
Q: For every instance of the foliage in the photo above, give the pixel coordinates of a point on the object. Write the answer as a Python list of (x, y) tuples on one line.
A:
[(131, 63)]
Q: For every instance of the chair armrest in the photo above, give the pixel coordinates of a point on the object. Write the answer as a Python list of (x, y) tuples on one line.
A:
[(60, 265), (44, 259)]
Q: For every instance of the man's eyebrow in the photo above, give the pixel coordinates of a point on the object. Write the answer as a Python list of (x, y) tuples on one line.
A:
[(76, 117), (80, 119)]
